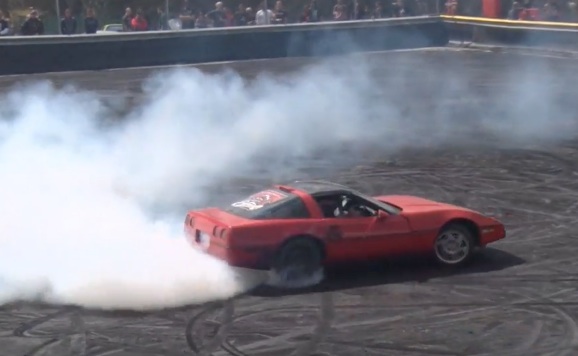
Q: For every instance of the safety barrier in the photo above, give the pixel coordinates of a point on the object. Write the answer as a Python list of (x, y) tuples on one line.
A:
[(512, 32), (40, 54)]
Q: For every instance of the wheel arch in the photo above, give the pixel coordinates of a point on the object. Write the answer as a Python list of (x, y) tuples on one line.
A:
[(469, 224)]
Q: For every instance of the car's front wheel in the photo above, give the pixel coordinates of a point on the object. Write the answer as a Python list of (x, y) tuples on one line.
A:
[(454, 245), (299, 263)]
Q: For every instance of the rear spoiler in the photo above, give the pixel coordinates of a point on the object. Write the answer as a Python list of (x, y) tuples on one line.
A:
[(284, 188)]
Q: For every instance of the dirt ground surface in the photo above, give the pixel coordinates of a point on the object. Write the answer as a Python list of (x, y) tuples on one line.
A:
[(519, 298)]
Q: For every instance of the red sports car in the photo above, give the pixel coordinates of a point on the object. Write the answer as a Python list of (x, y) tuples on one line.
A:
[(294, 230)]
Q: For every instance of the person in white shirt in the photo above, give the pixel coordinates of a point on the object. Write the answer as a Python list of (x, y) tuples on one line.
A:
[(264, 17)]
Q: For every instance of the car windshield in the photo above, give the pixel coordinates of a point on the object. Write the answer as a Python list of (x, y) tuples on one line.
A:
[(392, 209), (259, 204)]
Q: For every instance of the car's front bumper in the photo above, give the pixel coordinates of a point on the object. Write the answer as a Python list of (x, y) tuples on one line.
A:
[(492, 233)]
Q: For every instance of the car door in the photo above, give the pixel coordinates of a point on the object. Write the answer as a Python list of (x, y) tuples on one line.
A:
[(389, 235), (361, 237), (347, 239)]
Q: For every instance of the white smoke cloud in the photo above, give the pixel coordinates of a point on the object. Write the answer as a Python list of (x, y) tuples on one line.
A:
[(79, 199), (70, 235), (77, 195)]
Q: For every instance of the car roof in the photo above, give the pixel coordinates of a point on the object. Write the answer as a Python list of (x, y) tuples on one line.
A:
[(318, 186)]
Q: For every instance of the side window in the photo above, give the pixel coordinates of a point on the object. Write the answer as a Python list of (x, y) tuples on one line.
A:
[(329, 205), (357, 207), (292, 209), (344, 206)]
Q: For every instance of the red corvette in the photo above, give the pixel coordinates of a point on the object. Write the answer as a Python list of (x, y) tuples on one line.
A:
[(295, 230)]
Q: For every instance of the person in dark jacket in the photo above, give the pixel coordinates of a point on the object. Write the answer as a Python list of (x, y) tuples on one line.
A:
[(68, 24), (314, 12), (514, 13), (240, 16), (4, 25), (162, 20), (90, 22), (217, 16), (33, 25), (280, 15)]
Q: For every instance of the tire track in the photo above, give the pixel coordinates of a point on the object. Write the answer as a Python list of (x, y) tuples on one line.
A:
[(529, 308), (41, 347), (486, 307), (24, 328), (219, 339)]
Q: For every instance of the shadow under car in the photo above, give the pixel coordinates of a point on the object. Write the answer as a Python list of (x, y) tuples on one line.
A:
[(401, 270)]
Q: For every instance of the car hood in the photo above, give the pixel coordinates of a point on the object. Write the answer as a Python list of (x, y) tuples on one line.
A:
[(406, 202)]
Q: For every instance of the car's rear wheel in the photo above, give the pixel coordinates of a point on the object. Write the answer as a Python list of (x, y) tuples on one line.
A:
[(454, 245), (299, 263)]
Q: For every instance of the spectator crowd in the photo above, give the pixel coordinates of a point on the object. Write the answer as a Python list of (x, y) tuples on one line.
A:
[(190, 16), (546, 10), (34, 25)]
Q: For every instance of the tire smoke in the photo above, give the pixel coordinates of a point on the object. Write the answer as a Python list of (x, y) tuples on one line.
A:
[(92, 211)]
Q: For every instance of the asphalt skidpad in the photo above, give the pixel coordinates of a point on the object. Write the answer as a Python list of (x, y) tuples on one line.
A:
[(506, 150)]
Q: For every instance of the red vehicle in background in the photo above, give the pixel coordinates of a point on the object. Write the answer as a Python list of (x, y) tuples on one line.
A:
[(295, 230)]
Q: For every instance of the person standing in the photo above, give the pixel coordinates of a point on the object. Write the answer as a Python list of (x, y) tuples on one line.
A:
[(264, 16), (4, 25), (68, 24), (139, 23), (90, 22), (33, 25), (127, 19)]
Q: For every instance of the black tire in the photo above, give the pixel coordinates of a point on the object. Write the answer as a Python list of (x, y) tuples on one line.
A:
[(299, 263), (454, 245)]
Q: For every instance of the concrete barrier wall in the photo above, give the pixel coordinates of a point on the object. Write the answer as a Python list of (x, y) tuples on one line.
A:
[(27, 55), (513, 32), (40, 54)]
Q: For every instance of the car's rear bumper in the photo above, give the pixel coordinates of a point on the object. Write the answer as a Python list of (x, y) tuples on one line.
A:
[(250, 258)]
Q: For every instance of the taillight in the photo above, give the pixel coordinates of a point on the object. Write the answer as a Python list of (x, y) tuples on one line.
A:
[(189, 220), (220, 232)]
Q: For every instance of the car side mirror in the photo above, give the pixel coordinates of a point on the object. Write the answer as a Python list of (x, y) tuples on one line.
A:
[(382, 215)]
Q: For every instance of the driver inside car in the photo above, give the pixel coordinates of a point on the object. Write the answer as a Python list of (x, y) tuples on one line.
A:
[(353, 209), (328, 207), (356, 211)]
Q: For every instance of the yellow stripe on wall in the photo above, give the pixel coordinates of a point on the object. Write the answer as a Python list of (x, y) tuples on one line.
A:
[(509, 22)]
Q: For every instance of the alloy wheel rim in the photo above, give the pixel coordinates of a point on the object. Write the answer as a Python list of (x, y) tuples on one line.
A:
[(452, 247)]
